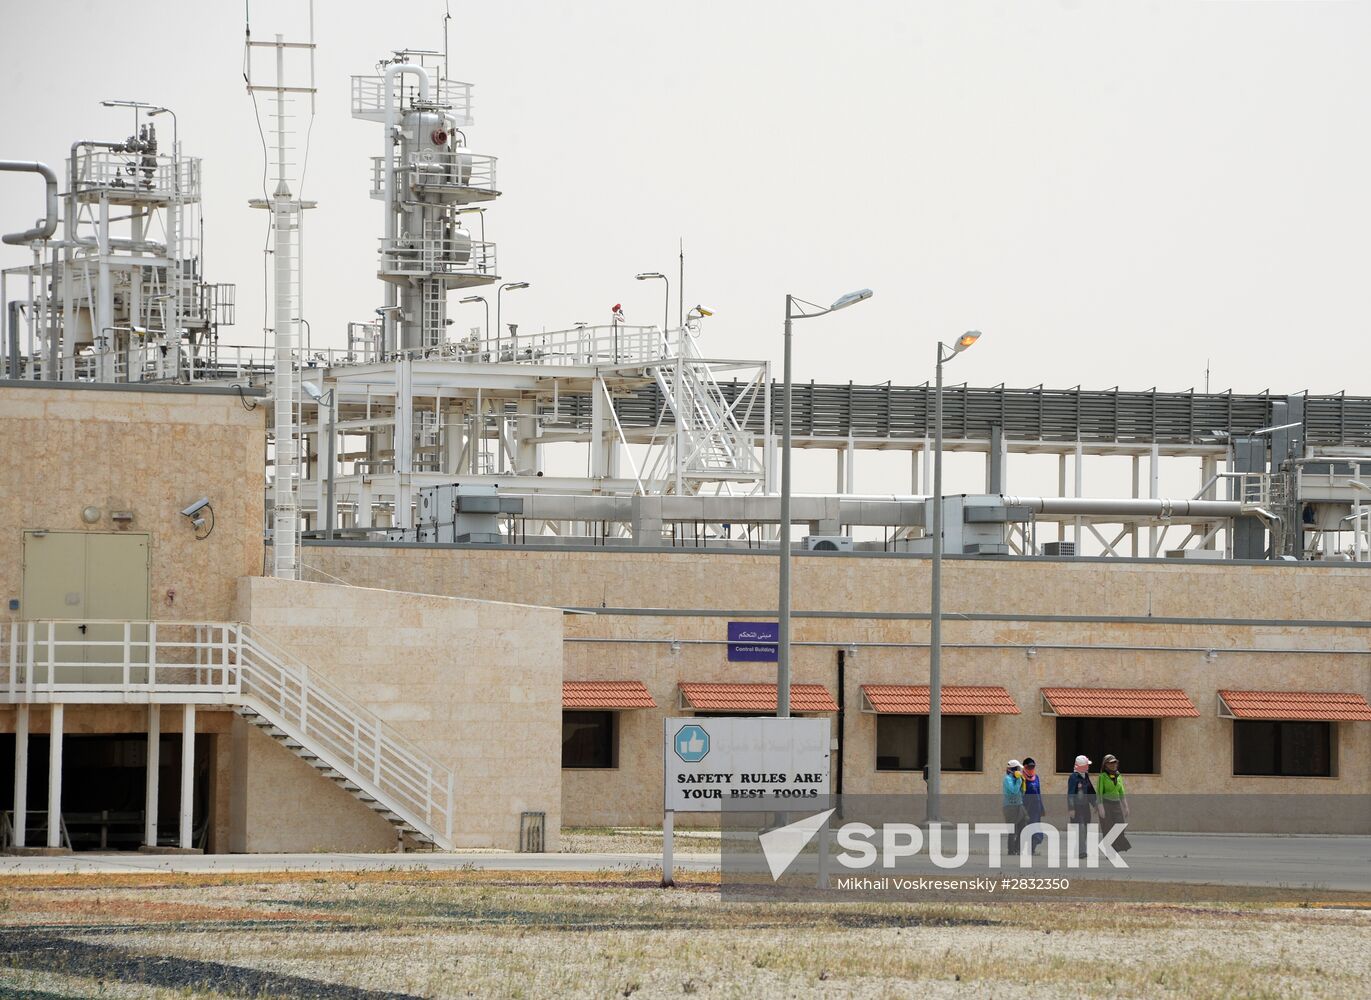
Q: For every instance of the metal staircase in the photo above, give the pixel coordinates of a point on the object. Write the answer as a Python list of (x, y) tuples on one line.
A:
[(229, 663)]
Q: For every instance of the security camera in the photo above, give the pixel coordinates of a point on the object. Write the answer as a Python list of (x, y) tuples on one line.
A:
[(196, 507)]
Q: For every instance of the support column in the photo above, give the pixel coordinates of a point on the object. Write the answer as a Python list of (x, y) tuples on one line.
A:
[(1154, 485), (1078, 491), (21, 773), (850, 480), (914, 472), (840, 480), (187, 774), (1061, 492), (55, 778), (1209, 470), (995, 461), (1137, 492), (154, 765)]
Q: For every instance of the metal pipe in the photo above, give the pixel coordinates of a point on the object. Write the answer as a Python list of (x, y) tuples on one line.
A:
[(783, 543), (49, 224), (1160, 507), (934, 756)]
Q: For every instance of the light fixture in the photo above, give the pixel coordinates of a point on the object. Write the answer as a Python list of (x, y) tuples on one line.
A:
[(647, 275), (966, 340), (675, 646), (850, 299), (851, 649), (90, 514), (1031, 652), (1211, 655), (703, 311)]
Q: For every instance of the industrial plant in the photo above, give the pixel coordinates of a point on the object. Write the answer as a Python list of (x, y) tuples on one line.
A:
[(337, 598)]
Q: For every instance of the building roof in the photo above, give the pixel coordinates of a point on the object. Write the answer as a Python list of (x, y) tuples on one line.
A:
[(1119, 703), (957, 699), (755, 698), (606, 694), (1314, 706)]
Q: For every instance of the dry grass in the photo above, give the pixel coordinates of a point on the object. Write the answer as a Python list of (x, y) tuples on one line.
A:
[(484, 933)]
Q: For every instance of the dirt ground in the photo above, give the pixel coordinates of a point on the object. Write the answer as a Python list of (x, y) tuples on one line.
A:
[(614, 934)]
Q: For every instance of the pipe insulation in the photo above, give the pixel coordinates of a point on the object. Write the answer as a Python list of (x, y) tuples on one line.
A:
[(49, 224)]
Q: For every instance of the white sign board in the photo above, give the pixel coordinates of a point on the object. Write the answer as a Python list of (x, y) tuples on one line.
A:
[(710, 761)]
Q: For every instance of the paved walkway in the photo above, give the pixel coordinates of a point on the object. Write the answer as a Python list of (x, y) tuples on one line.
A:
[(1342, 863)]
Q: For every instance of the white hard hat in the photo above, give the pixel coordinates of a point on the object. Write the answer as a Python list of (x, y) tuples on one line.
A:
[(1083, 759), (1015, 764)]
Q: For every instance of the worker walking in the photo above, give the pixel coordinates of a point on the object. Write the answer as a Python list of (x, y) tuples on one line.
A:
[(1080, 800), (1032, 798), (1113, 801), (1011, 802)]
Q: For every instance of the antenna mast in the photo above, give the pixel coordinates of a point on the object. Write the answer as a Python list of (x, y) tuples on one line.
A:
[(286, 212)]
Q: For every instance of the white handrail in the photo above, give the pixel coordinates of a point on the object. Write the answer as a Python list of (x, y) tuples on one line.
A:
[(97, 661)]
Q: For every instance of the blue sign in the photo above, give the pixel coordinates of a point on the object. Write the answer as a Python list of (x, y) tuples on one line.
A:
[(691, 744), (753, 642)]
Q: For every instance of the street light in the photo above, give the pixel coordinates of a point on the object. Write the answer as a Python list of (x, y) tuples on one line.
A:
[(326, 399), (485, 329), (783, 609), (513, 286), (935, 636), (666, 307)]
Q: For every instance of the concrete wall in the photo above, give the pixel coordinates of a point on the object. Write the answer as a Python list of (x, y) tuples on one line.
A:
[(473, 683), (1300, 627), (149, 452)]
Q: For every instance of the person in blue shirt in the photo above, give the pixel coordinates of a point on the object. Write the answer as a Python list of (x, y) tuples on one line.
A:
[(1011, 802), (1032, 797)]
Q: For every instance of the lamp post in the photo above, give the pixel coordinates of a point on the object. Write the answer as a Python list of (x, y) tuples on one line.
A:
[(783, 603), (513, 286), (485, 327), (935, 634), (666, 307), (326, 399)]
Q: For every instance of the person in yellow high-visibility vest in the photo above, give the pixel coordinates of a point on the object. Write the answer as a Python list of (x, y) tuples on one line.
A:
[(1113, 801)]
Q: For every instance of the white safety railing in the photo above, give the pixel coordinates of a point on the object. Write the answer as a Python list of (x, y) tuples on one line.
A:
[(436, 170), (228, 663), (369, 97), (141, 175), (436, 255)]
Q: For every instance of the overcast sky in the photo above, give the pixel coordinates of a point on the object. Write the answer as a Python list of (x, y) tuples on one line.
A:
[(1113, 193)]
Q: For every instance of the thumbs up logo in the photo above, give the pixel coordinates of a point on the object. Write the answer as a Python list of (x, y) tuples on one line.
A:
[(691, 744)]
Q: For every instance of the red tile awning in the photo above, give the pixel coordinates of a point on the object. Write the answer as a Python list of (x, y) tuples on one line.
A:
[(754, 698), (957, 699), (606, 694), (1119, 703), (1295, 706)]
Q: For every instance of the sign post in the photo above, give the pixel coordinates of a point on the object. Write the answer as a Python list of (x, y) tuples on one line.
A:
[(709, 761)]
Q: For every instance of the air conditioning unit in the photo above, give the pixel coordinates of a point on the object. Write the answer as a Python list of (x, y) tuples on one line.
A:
[(1059, 548), (828, 543)]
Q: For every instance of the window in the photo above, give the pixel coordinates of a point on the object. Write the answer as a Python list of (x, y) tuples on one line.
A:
[(590, 739), (1288, 749), (902, 742), (1133, 741)]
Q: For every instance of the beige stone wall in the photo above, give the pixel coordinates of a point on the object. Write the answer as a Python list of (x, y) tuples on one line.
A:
[(152, 453), (282, 805), (475, 684), (1318, 638)]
